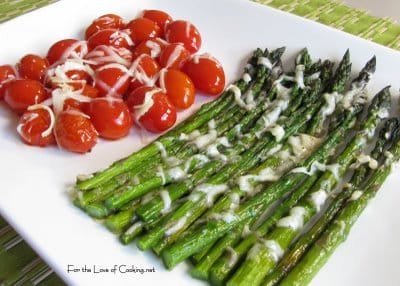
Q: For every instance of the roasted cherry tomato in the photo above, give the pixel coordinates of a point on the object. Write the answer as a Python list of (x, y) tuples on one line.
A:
[(102, 55), (33, 67), (174, 56), (69, 98), (160, 17), (110, 37), (104, 22), (36, 126), (178, 87), (142, 29), (151, 47), (184, 32), (71, 72), (144, 71), (112, 80), (22, 93), (74, 131), (151, 109), (110, 117), (66, 49), (206, 73), (7, 75)]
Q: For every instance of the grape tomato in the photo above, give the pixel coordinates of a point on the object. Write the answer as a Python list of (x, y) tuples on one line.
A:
[(36, 126), (206, 73), (178, 87), (110, 117), (151, 109), (7, 75), (112, 80), (66, 49), (104, 22), (103, 54), (110, 37), (74, 131), (160, 17), (33, 67), (22, 93), (142, 29), (69, 72), (184, 32), (173, 56), (151, 47), (144, 71)]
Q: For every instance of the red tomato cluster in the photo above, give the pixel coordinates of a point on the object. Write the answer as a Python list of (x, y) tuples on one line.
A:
[(141, 71)]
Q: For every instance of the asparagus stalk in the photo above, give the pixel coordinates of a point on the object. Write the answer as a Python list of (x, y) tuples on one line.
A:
[(338, 230), (224, 266), (279, 163), (153, 208), (195, 206), (226, 226), (169, 138), (228, 200), (215, 229), (358, 180), (266, 257)]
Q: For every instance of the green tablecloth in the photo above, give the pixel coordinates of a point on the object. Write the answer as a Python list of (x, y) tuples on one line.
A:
[(19, 263)]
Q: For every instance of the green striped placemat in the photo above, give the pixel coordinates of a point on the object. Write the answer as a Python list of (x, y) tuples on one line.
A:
[(12, 8), (20, 264), (335, 14)]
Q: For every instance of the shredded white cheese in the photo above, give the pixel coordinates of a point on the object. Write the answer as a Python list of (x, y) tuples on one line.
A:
[(176, 174), (295, 219), (210, 191), (265, 62), (164, 194), (356, 195), (315, 166), (318, 199)]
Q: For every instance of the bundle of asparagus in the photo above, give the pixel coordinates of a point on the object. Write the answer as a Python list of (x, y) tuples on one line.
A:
[(234, 186)]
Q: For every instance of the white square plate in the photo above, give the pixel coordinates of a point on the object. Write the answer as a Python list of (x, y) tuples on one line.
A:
[(33, 193)]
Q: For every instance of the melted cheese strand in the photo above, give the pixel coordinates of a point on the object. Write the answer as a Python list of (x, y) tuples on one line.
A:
[(210, 190), (166, 201), (294, 220), (315, 166), (148, 102)]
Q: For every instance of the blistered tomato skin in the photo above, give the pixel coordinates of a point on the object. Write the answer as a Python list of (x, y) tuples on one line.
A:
[(184, 32), (174, 56), (178, 86), (7, 75), (151, 109), (206, 73), (33, 127), (104, 22), (33, 67), (142, 29), (75, 132), (110, 117), (110, 37), (160, 17), (66, 49), (22, 93)]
